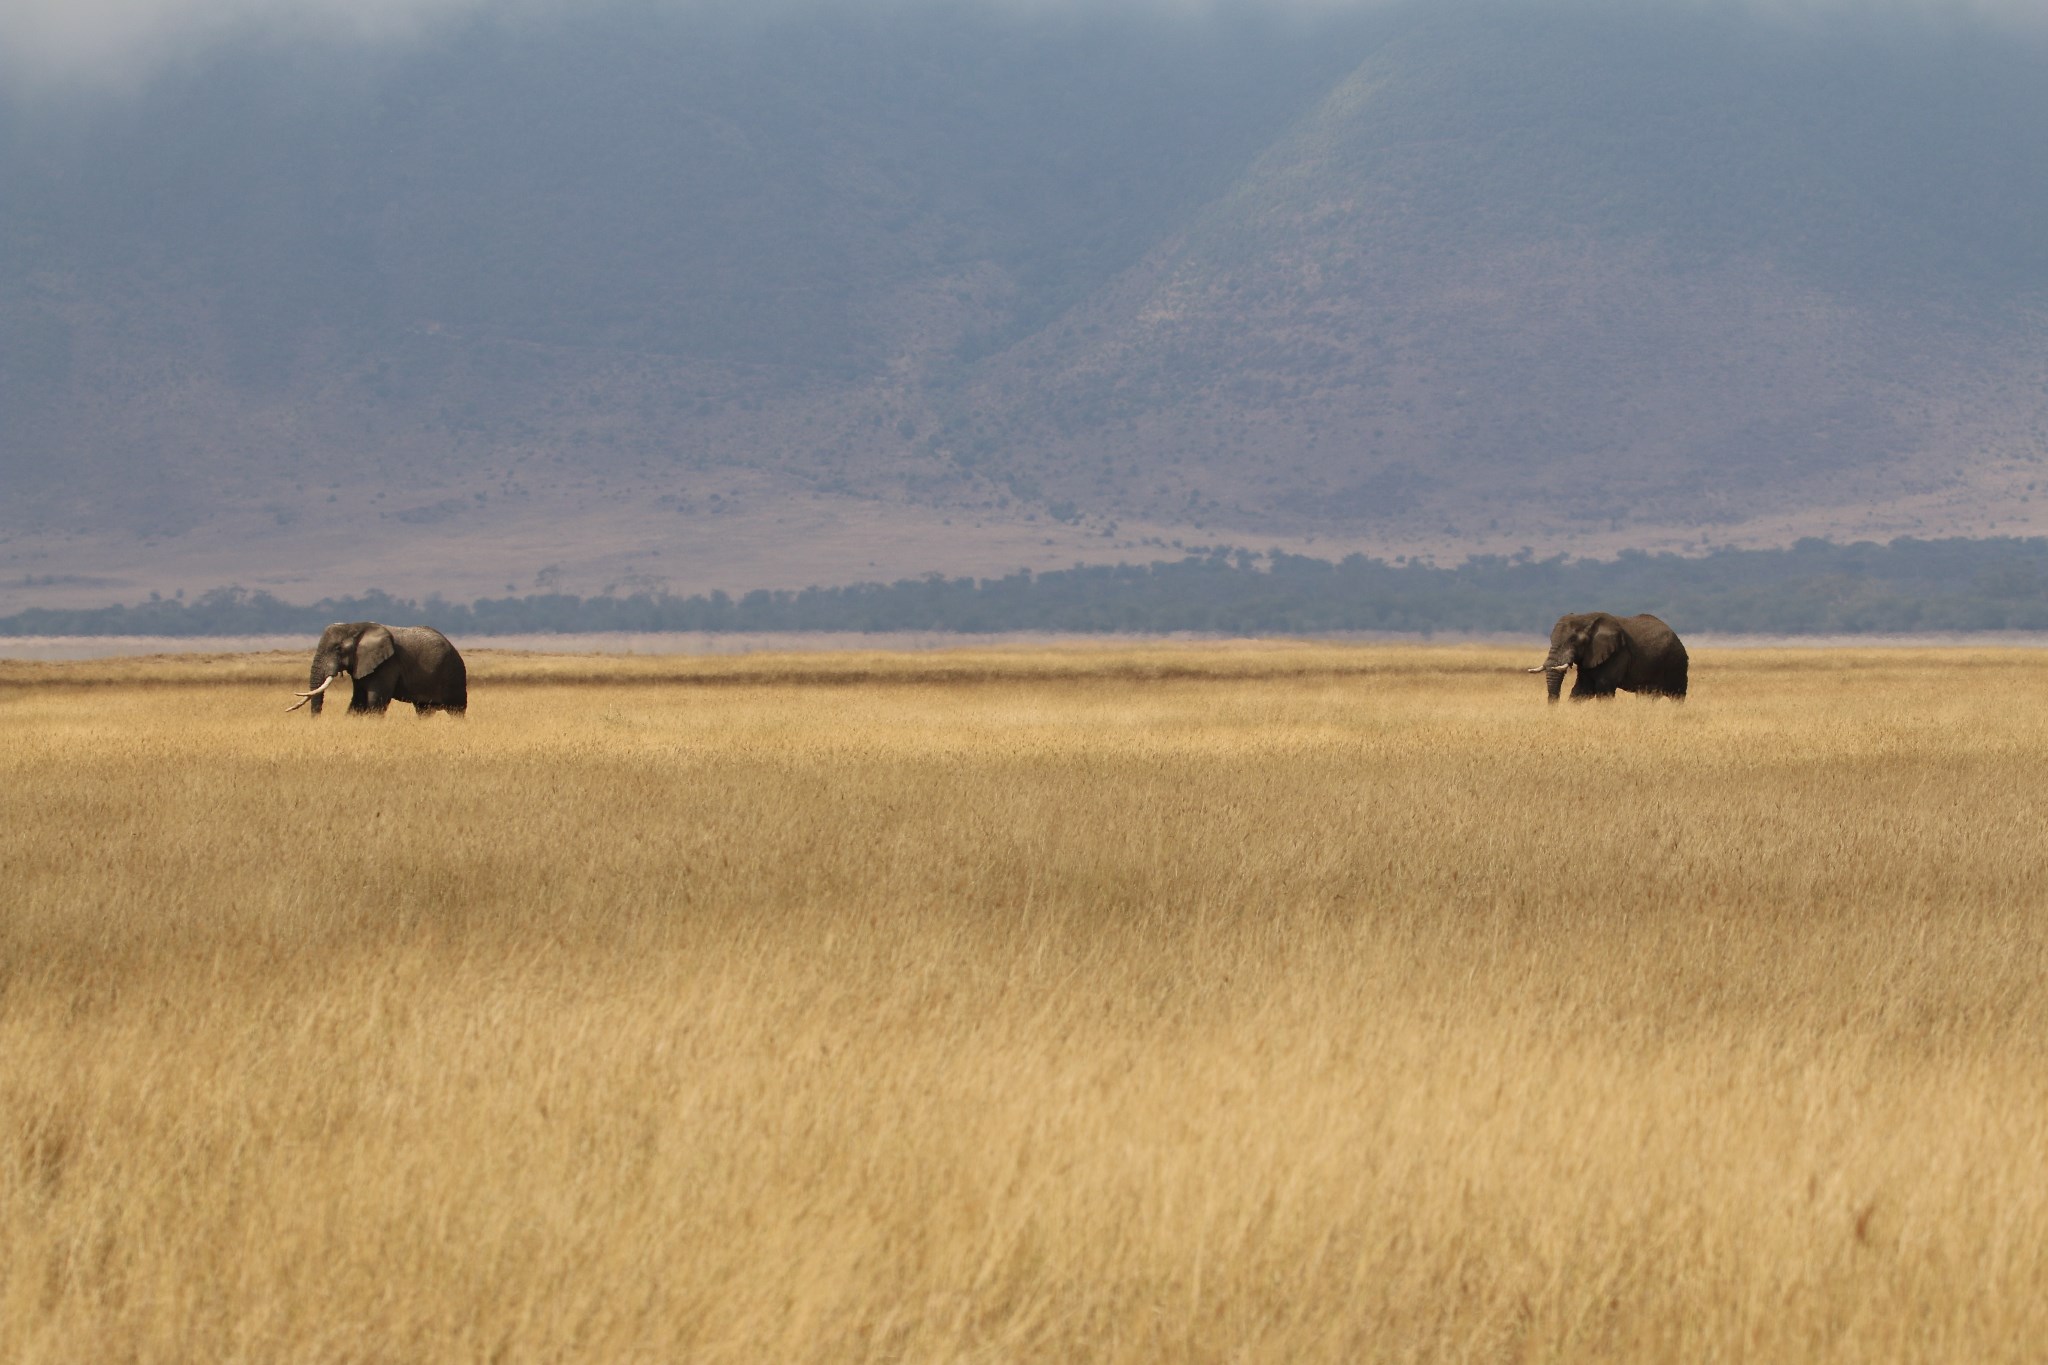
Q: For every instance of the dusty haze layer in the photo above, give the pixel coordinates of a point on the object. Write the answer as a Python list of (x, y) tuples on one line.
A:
[(471, 298)]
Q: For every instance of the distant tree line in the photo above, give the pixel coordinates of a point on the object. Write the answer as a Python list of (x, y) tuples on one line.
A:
[(1815, 587)]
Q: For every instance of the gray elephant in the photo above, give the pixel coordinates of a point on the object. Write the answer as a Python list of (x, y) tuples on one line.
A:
[(388, 664), (1626, 653)]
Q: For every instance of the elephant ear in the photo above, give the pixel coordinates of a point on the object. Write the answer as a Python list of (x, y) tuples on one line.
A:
[(373, 648), (1607, 638)]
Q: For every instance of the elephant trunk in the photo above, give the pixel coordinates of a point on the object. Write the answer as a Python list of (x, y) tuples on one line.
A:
[(1553, 670), (1553, 675), (314, 695)]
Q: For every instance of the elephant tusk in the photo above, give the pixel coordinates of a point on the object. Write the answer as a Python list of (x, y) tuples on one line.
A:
[(1549, 668), (304, 697)]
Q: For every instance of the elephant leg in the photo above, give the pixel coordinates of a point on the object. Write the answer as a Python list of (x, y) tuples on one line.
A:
[(383, 686), (1670, 683)]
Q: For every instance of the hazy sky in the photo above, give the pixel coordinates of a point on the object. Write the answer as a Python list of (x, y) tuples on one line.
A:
[(94, 41), (81, 38)]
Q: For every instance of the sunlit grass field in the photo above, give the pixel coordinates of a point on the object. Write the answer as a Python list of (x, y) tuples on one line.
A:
[(1194, 1002)]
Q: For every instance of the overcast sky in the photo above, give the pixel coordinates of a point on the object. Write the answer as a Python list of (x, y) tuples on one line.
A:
[(55, 39), (95, 41)]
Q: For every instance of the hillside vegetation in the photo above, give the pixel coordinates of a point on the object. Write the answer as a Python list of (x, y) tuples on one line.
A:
[(1271, 1002), (1813, 588)]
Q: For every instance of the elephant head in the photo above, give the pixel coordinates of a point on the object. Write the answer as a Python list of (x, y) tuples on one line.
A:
[(1588, 641), (354, 648)]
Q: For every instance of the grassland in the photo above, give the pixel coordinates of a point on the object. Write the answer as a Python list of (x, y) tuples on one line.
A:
[(1253, 1003)]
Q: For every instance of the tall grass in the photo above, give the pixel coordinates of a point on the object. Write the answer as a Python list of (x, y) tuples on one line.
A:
[(1263, 1003)]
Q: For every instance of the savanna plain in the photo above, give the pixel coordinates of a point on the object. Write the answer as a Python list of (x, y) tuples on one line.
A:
[(1260, 1002)]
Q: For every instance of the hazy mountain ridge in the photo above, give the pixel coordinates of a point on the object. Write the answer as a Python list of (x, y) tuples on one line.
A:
[(1422, 275), (1340, 314)]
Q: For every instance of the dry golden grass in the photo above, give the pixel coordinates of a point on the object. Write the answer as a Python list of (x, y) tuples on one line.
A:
[(1254, 1003)]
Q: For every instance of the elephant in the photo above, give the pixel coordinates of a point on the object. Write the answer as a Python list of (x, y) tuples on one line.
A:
[(388, 664), (1631, 653)]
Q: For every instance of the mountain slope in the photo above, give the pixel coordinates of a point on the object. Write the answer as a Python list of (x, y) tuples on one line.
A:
[(1552, 275), (555, 292)]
